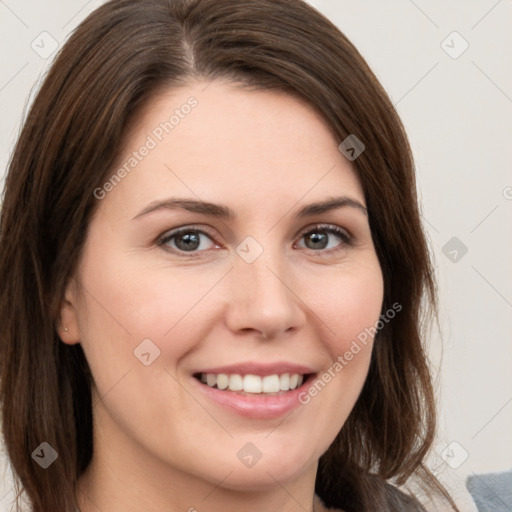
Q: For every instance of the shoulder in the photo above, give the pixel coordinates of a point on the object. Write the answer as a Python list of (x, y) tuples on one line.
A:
[(387, 495)]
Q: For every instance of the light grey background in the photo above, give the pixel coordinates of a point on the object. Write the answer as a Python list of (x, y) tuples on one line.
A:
[(457, 111)]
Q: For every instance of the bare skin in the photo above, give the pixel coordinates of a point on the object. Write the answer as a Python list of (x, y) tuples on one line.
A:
[(161, 443)]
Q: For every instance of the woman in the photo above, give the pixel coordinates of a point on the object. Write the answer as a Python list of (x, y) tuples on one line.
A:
[(213, 266)]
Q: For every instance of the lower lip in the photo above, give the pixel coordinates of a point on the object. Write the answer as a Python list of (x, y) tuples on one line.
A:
[(255, 406)]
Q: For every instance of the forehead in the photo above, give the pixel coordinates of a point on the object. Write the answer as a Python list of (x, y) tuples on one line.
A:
[(216, 139)]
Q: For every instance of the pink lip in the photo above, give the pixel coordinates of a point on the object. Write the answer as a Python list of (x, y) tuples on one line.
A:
[(252, 368), (257, 406), (254, 406)]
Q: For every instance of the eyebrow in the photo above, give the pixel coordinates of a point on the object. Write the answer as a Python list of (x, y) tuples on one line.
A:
[(224, 212)]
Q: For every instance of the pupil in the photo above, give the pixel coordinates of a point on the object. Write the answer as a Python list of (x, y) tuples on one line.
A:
[(188, 241), (318, 240)]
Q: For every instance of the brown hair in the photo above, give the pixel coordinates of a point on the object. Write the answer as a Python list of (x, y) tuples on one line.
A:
[(114, 62)]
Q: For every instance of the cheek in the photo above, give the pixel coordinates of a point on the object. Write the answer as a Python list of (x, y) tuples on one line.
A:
[(350, 303), (350, 306), (138, 323), (177, 309), (128, 303)]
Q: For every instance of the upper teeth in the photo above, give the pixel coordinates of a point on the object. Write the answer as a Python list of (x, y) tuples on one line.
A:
[(253, 383)]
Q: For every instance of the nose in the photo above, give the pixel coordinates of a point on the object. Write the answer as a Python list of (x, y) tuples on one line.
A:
[(263, 301)]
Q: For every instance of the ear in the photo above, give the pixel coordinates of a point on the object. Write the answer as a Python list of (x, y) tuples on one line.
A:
[(68, 327)]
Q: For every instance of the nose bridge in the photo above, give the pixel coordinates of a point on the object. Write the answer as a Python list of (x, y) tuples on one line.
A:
[(262, 293), (267, 276)]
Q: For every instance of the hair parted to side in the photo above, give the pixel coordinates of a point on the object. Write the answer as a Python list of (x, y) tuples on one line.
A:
[(116, 60)]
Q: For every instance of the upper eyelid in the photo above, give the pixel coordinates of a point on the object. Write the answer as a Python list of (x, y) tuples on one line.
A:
[(323, 226), (188, 227), (168, 235)]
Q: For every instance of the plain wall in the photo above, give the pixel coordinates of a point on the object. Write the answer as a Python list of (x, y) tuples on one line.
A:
[(457, 110)]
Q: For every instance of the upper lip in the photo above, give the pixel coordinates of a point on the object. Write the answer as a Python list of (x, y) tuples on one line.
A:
[(261, 369)]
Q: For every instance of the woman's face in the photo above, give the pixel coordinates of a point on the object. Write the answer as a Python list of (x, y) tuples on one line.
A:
[(236, 245)]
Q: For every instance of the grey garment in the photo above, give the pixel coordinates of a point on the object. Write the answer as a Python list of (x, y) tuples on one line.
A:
[(491, 492)]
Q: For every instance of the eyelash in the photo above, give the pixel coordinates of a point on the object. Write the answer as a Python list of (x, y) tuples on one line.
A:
[(345, 238), (343, 235)]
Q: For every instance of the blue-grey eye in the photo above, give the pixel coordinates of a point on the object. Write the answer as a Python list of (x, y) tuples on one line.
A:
[(316, 240), (188, 240), (324, 238)]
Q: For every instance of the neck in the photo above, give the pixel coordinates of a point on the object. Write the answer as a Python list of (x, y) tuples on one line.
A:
[(122, 476), (95, 493)]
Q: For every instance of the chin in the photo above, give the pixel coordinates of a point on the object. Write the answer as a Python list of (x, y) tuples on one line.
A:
[(256, 466), (261, 477)]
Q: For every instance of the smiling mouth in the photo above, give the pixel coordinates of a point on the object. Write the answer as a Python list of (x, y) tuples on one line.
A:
[(251, 385)]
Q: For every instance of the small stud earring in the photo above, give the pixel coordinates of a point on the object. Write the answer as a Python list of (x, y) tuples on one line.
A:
[(65, 329)]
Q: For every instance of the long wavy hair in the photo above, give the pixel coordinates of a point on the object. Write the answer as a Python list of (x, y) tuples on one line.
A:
[(110, 67)]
